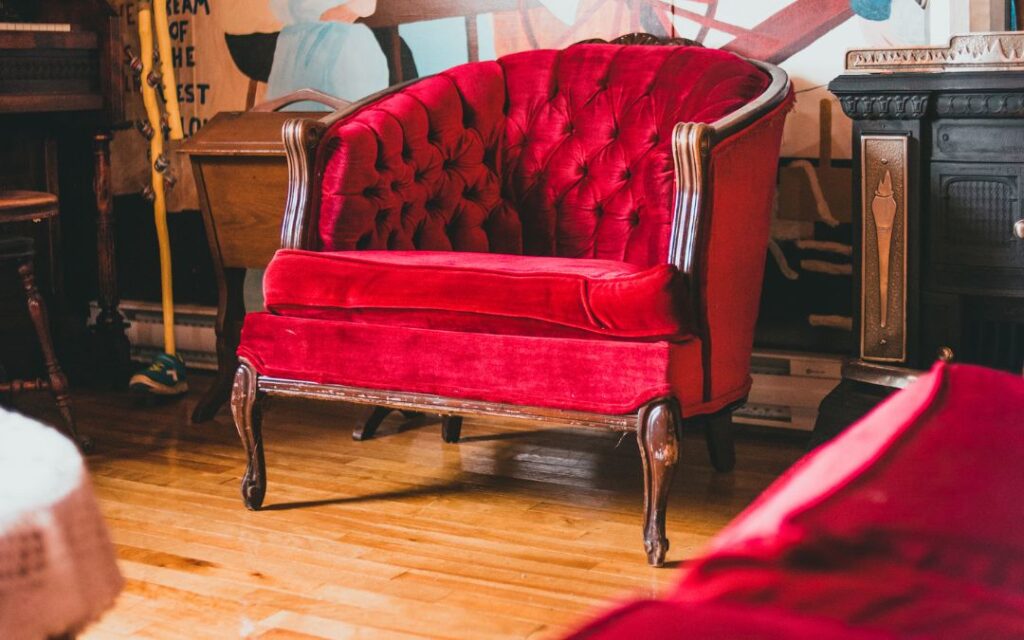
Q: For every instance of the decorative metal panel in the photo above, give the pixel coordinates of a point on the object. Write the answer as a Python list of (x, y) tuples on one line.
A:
[(883, 302)]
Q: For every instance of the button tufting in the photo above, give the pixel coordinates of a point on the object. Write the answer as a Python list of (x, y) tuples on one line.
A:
[(634, 218), (396, 185), (382, 217), (627, 174), (583, 170)]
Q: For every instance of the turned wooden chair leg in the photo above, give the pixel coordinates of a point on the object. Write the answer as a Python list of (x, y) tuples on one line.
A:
[(658, 437), (368, 427), (721, 448), (41, 321), (245, 407), (451, 428)]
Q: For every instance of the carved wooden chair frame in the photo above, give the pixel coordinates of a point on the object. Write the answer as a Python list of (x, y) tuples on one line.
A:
[(657, 424)]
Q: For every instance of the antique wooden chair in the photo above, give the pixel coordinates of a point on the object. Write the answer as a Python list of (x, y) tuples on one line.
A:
[(573, 236)]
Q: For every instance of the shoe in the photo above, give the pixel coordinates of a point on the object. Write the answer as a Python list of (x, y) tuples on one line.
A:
[(164, 377)]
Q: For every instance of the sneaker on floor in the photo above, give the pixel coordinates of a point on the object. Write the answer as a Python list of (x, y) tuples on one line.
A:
[(164, 377)]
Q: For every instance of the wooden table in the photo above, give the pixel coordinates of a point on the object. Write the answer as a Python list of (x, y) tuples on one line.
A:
[(241, 173)]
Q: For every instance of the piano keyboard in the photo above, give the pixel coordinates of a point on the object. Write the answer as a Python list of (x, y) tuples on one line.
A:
[(35, 26)]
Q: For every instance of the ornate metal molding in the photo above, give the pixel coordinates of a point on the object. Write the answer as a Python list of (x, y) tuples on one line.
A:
[(983, 105), (883, 278), (999, 51), (885, 106)]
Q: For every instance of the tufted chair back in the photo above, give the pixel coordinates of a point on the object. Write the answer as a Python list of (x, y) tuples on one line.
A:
[(549, 153)]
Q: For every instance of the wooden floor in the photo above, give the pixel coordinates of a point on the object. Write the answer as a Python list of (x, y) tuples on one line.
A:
[(516, 532)]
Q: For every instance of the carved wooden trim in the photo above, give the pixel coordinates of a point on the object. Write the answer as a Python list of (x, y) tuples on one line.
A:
[(691, 142), (643, 38), (439, 404), (658, 426), (245, 407), (300, 136)]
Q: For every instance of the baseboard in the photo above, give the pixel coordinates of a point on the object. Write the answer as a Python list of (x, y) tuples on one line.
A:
[(194, 331), (788, 387)]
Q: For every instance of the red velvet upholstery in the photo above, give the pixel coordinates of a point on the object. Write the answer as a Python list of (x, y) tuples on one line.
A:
[(907, 525), (548, 153), (602, 376), (564, 156), (490, 293)]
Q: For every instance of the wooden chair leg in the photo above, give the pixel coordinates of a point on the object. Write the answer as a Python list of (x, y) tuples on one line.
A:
[(41, 321), (721, 448), (245, 406), (451, 428), (369, 426), (658, 437)]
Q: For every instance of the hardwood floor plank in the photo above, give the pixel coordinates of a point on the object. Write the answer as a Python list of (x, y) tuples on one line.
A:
[(515, 532)]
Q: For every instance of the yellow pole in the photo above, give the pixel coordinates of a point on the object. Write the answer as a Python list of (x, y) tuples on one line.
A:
[(156, 149), (170, 88)]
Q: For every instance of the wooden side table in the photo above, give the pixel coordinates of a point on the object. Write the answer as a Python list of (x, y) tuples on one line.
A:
[(241, 173)]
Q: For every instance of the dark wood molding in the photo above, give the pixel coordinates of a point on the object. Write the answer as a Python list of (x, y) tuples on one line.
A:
[(246, 409), (691, 142), (404, 400), (301, 136)]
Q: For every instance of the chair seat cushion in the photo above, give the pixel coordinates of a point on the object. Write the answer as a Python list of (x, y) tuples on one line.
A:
[(480, 292), (601, 376)]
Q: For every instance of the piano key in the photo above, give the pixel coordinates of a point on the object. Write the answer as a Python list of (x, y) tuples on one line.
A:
[(59, 27)]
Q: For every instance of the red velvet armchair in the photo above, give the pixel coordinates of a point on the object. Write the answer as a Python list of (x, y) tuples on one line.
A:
[(573, 237)]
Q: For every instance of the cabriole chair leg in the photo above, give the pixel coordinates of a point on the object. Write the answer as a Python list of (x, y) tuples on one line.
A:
[(245, 407), (721, 447), (658, 438)]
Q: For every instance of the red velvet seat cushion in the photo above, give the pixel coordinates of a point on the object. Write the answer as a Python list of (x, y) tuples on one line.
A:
[(480, 292), (601, 376)]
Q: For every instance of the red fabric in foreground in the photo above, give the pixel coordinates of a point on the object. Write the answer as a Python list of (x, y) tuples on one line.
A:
[(908, 524), (499, 293), (549, 153), (601, 376)]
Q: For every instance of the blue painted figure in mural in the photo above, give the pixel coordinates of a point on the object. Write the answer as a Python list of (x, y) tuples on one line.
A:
[(320, 47), (876, 9)]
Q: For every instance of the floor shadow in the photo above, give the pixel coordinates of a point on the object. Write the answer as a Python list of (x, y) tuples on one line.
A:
[(456, 486)]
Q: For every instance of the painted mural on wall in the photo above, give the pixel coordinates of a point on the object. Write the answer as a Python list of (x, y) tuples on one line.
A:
[(226, 50), (344, 47)]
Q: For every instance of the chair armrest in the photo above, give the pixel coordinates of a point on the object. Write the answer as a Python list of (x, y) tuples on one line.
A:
[(301, 137), (725, 192)]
